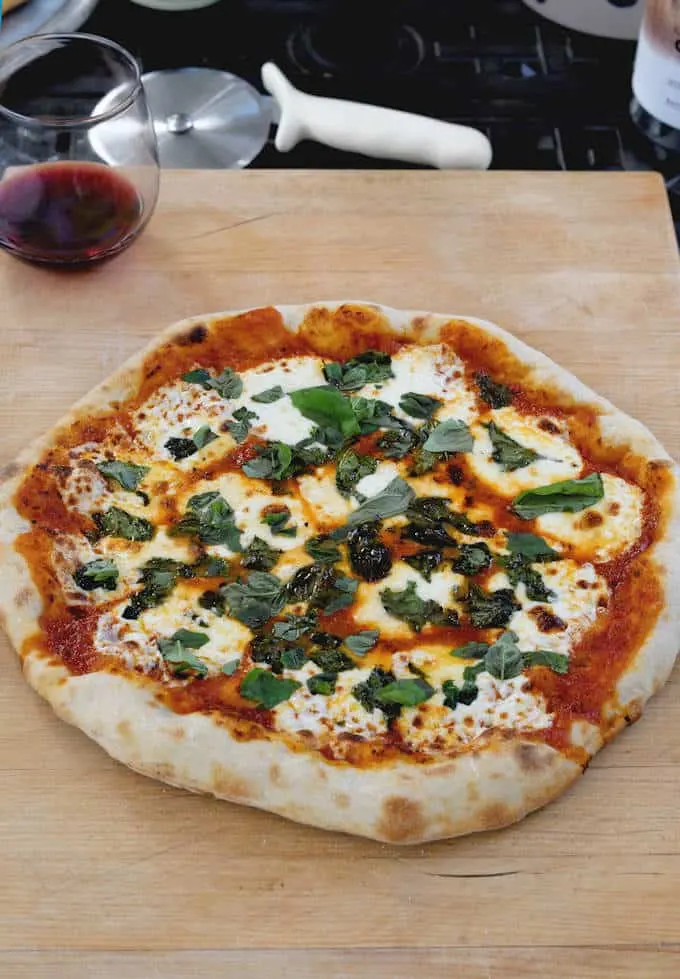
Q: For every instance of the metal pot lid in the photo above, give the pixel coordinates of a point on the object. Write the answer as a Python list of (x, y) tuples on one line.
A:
[(203, 118)]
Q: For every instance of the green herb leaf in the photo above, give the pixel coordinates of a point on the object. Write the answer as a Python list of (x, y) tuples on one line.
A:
[(508, 453), (472, 559), (231, 667), (203, 436), (211, 567), (322, 683), (181, 660), (294, 626), (323, 550), (495, 394), (490, 610), (408, 606), (181, 448), (568, 496), (341, 595), (294, 658), (259, 556), (227, 384), (406, 693), (425, 562), (532, 547), (158, 576), (398, 443), (362, 642), (276, 460), (198, 376), (126, 474), (192, 640), (212, 601), (368, 691), (266, 689), (115, 522), (239, 426), (100, 573), (331, 660), (454, 695), (557, 662), (277, 521), (269, 396), (372, 414), (471, 650), (325, 406), (519, 570), (419, 405), (504, 659), (451, 435), (350, 468), (372, 367), (256, 600), (390, 502), (210, 518)]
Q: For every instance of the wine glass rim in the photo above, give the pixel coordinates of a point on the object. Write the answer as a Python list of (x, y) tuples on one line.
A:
[(71, 122)]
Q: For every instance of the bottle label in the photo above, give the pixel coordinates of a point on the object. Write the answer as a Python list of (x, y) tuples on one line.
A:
[(656, 77)]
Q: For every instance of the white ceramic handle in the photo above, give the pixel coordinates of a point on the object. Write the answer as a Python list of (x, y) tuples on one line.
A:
[(371, 130)]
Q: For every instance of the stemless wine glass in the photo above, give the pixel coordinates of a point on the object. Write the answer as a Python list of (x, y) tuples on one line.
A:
[(61, 203)]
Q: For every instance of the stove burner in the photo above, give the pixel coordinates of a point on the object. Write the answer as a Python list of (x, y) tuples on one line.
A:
[(396, 48)]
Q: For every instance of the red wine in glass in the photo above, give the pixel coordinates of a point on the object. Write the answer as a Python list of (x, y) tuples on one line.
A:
[(68, 213)]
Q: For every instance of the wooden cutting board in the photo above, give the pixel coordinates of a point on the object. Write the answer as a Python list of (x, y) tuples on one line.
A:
[(106, 874)]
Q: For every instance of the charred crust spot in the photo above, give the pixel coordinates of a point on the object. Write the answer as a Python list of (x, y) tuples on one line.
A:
[(495, 816), (152, 371), (197, 334), (591, 519), (547, 621), (225, 785), (23, 597), (341, 800), (633, 712), (455, 475), (549, 426), (401, 821), (531, 758), (275, 774)]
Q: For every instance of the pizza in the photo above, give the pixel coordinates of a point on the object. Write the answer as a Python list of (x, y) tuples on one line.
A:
[(390, 573)]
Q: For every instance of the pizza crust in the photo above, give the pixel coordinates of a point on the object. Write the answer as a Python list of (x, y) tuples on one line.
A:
[(398, 802)]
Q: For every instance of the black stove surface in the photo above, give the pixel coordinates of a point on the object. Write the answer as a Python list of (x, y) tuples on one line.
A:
[(549, 99)]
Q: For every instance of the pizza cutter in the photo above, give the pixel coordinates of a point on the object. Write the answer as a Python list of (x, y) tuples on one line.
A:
[(205, 118)]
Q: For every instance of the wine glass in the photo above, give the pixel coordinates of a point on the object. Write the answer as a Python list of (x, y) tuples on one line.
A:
[(61, 203)]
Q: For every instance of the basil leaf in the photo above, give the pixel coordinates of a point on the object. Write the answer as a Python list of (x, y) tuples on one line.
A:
[(227, 384), (504, 659), (451, 435), (211, 567), (158, 576), (198, 376), (532, 547), (362, 642), (422, 462), (322, 683), (472, 558), (100, 573), (210, 518), (213, 601), (115, 522), (256, 600), (471, 650), (408, 606), (331, 660), (508, 453), (266, 689), (340, 595), (569, 496), (231, 667), (350, 468), (203, 436), (454, 695), (259, 556), (126, 474), (495, 394), (325, 406), (390, 502), (372, 366), (323, 550), (396, 444), (490, 610), (368, 691), (181, 660), (294, 626), (272, 462), (425, 562), (293, 659), (239, 426), (277, 521), (268, 649), (406, 693), (372, 414), (557, 662), (519, 570), (192, 640), (419, 405), (269, 396)]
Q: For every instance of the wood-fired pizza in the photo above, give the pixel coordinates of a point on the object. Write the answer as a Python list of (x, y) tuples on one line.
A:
[(390, 573)]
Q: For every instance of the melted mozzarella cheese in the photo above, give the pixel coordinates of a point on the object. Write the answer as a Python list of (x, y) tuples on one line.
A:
[(376, 482), (280, 421), (580, 595), (433, 370), (178, 411), (319, 492), (558, 458), (321, 716), (605, 530), (369, 611)]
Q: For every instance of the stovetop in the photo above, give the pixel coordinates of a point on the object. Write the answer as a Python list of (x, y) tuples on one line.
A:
[(549, 99)]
